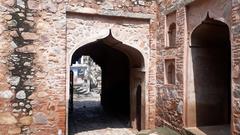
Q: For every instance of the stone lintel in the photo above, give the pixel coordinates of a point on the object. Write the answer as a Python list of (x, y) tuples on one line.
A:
[(91, 11)]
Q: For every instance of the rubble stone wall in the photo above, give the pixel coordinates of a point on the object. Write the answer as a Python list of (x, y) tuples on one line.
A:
[(235, 40), (104, 6), (34, 52), (32, 73), (170, 106), (38, 36)]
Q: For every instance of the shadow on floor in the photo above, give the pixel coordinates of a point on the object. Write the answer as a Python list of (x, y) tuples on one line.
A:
[(89, 115)]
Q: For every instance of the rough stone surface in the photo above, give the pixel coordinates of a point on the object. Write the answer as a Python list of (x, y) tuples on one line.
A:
[(42, 94), (14, 131), (7, 118), (14, 80), (6, 94), (27, 120), (40, 118), (37, 38), (32, 4), (29, 36), (9, 2), (21, 94)]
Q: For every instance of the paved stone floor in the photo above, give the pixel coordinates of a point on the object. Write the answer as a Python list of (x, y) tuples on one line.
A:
[(88, 118)]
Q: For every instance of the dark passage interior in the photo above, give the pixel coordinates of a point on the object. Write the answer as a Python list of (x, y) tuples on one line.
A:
[(115, 95), (211, 57)]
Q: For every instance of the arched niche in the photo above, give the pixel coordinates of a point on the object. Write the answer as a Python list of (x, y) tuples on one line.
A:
[(172, 31)]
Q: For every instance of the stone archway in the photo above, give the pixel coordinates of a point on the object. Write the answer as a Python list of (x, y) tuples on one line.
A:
[(209, 78), (134, 64)]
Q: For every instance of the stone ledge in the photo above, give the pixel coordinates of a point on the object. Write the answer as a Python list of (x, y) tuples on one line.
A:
[(92, 11)]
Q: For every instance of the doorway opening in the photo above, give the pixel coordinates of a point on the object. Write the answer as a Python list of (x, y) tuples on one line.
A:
[(209, 91), (110, 104)]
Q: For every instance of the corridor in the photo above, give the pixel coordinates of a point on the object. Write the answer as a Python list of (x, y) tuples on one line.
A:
[(90, 119)]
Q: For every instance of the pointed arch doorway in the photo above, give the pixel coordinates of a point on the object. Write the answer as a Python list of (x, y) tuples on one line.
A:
[(122, 66), (209, 78)]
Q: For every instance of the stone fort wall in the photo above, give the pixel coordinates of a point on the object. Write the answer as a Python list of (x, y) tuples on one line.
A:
[(34, 52)]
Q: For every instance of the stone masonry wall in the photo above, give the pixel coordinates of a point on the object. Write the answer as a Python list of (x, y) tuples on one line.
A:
[(236, 66), (168, 6), (33, 58), (49, 99), (172, 112), (129, 31), (18, 24), (34, 50), (32, 90), (132, 18), (98, 6), (169, 105)]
